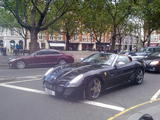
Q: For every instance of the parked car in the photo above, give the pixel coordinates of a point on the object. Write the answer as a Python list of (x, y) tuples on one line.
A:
[(153, 62), (134, 55), (148, 50), (93, 75), (41, 58), (151, 49)]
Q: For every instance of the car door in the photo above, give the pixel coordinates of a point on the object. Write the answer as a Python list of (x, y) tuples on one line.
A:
[(124, 68), (53, 57), (40, 58)]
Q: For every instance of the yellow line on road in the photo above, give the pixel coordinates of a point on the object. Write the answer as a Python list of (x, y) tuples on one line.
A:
[(131, 108)]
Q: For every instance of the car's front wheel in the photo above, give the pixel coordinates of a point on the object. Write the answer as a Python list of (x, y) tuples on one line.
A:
[(93, 89), (20, 65), (139, 77)]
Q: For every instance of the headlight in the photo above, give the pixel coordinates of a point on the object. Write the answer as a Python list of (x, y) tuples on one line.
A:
[(49, 71), (11, 60), (155, 63), (76, 81)]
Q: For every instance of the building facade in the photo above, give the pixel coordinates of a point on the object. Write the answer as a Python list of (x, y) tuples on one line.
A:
[(85, 41), (9, 39)]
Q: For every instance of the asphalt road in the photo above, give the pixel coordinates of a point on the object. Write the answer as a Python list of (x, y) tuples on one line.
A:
[(23, 98)]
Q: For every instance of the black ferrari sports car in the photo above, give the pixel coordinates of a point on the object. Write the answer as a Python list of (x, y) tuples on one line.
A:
[(92, 75), (153, 62)]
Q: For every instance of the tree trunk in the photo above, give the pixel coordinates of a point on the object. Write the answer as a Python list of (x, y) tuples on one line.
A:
[(143, 43), (113, 39), (68, 37), (25, 39), (120, 43), (149, 38), (34, 45)]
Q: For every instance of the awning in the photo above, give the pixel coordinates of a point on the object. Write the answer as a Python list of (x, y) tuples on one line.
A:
[(57, 44)]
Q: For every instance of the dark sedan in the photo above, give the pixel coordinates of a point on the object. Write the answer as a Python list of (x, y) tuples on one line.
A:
[(92, 75), (42, 58), (153, 62)]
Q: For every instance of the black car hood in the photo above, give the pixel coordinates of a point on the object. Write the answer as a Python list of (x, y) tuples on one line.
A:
[(70, 71)]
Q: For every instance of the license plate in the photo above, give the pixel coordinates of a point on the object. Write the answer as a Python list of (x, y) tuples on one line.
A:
[(50, 92)]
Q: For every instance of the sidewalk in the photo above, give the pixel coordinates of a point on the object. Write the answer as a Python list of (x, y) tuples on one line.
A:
[(135, 112)]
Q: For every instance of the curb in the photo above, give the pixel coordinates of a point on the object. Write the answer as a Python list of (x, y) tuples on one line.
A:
[(137, 109)]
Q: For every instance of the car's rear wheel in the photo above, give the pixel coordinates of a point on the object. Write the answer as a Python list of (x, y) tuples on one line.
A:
[(139, 77), (62, 62), (93, 89), (20, 65)]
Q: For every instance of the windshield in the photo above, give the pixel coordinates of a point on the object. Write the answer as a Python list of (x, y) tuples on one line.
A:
[(146, 49), (101, 58), (157, 54)]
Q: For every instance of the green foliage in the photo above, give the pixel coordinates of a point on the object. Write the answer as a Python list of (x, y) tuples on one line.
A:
[(93, 18), (7, 20)]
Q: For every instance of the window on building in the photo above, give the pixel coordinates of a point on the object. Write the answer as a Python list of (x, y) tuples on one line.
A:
[(51, 37), (43, 45), (59, 37), (40, 35), (1, 43), (12, 44)]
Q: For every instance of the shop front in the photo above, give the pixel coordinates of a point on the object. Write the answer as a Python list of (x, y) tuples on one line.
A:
[(73, 46), (103, 46), (87, 46), (58, 45)]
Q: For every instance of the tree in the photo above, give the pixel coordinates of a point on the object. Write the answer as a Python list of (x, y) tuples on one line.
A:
[(8, 21), (36, 15), (149, 12), (94, 20), (68, 24), (118, 11)]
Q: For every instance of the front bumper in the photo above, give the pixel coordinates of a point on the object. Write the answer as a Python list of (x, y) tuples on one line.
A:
[(11, 65), (73, 92)]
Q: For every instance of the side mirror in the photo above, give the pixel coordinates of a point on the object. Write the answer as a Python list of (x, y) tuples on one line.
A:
[(81, 59)]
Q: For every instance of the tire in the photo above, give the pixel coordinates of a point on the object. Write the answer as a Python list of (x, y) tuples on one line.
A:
[(62, 62), (93, 89), (20, 65), (139, 77)]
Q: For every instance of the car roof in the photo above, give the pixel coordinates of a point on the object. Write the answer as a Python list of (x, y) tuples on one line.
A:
[(49, 50), (153, 47)]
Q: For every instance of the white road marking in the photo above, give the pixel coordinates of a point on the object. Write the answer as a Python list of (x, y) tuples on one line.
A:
[(34, 76), (23, 88), (156, 95), (113, 107), (20, 81), (98, 104)]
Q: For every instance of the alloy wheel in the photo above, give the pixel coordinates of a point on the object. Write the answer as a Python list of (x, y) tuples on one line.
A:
[(139, 77), (20, 65), (94, 89)]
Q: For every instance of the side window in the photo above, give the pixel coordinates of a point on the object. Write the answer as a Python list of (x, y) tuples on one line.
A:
[(122, 60), (53, 52), (40, 53), (47, 53), (157, 50)]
